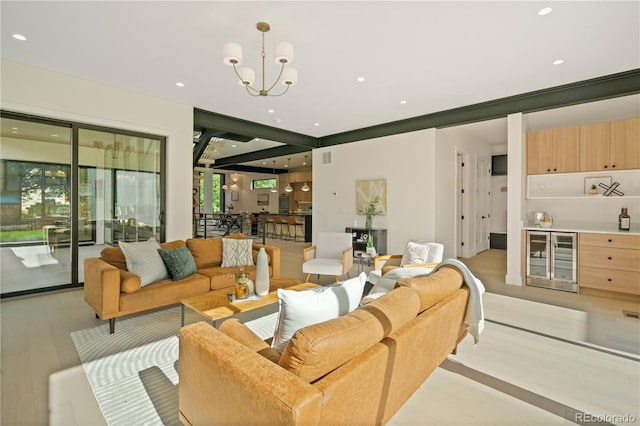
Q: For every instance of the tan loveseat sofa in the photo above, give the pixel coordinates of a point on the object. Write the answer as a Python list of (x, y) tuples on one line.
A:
[(354, 370), (112, 291)]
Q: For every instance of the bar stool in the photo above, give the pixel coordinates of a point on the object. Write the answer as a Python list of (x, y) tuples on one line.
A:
[(291, 222), (277, 220)]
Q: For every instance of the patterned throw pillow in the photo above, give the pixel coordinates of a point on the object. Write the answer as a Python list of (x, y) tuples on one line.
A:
[(144, 260), (237, 252), (179, 262)]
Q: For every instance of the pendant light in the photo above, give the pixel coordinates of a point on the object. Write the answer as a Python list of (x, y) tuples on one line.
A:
[(275, 188), (288, 188), (305, 187)]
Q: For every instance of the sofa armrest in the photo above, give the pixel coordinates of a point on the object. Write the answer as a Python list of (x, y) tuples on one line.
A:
[(243, 334), (102, 287), (347, 260), (224, 382), (274, 257)]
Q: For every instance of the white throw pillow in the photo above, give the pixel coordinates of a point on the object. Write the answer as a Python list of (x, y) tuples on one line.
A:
[(237, 252), (415, 252), (299, 309), (143, 259)]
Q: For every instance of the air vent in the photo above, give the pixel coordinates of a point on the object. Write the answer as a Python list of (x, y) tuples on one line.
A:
[(327, 157), (631, 314)]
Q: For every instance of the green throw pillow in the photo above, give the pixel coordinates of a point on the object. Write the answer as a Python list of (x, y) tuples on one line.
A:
[(179, 262)]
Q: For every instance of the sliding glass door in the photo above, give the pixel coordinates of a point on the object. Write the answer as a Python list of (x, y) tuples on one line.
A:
[(67, 191)]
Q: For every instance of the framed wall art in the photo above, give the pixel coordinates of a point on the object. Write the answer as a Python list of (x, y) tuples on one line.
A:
[(367, 191)]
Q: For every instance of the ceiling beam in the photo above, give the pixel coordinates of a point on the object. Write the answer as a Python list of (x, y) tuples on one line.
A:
[(278, 151), (202, 144), (250, 169), (610, 86), (209, 120)]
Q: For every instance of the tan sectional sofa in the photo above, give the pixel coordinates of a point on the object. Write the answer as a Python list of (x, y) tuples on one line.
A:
[(356, 369), (112, 291)]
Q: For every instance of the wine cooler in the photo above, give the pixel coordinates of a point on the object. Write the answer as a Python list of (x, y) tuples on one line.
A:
[(552, 260)]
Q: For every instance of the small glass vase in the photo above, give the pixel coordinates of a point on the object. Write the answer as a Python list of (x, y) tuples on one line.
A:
[(242, 285), (368, 222)]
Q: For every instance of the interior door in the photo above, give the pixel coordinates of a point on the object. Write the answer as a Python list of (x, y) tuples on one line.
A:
[(483, 204)]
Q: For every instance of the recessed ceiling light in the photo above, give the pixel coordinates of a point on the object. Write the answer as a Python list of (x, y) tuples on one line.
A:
[(316, 124), (277, 120), (264, 162), (360, 79), (19, 37), (233, 146), (544, 11), (270, 111), (179, 84), (403, 102), (53, 135), (558, 62)]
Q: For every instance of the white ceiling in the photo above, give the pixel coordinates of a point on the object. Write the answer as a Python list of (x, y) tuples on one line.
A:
[(433, 55)]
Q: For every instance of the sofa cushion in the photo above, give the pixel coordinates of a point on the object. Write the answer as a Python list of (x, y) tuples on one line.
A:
[(243, 334), (302, 308), (236, 252), (179, 262), (434, 287), (129, 282), (114, 255), (318, 349), (162, 293), (144, 260), (207, 252)]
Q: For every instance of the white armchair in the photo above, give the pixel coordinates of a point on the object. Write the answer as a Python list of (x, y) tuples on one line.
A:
[(435, 252), (331, 255)]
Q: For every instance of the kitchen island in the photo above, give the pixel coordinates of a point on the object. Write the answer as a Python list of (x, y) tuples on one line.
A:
[(301, 217)]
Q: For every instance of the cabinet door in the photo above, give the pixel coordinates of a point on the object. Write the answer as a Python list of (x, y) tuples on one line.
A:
[(539, 152), (625, 144), (594, 147), (566, 150), (610, 279), (610, 258)]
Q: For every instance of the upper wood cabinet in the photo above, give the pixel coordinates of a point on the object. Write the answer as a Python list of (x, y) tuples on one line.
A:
[(624, 148), (553, 151), (611, 145)]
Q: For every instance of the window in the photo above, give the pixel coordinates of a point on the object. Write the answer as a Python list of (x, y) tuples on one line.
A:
[(263, 183)]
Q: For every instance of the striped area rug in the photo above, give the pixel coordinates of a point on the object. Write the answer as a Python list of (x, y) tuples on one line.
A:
[(134, 372)]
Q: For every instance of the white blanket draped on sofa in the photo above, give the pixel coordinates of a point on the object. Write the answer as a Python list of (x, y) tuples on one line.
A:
[(474, 319)]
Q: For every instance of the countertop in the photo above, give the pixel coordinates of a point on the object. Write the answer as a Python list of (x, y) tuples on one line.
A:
[(594, 227)]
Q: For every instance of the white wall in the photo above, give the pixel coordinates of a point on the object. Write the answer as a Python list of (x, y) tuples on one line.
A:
[(406, 161), (420, 171), (44, 93)]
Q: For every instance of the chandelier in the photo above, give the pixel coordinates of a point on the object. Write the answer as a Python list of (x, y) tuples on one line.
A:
[(232, 53)]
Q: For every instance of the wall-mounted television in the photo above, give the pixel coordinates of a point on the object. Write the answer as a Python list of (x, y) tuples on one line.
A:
[(499, 165)]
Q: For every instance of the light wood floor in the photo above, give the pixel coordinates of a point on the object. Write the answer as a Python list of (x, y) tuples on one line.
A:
[(545, 357)]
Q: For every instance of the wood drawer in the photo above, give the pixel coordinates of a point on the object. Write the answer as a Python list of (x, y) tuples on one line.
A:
[(610, 258), (610, 240), (609, 279)]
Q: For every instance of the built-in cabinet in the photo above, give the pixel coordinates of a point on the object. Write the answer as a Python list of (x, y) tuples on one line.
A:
[(611, 145), (605, 146), (609, 262), (553, 151)]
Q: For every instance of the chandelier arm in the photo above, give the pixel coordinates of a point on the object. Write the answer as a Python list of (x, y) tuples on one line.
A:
[(285, 91), (275, 82), (249, 89)]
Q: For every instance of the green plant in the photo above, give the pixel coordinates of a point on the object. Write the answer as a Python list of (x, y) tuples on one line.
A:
[(371, 209), (20, 236)]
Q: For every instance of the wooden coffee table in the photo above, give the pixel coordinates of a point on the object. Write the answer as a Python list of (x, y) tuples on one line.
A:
[(216, 306)]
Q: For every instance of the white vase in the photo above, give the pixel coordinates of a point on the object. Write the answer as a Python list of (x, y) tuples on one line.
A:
[(262, 273)]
